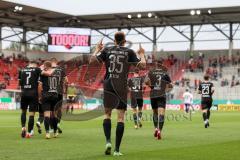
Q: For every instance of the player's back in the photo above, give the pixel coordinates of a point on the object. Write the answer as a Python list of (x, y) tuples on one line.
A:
[(61, 74), (205, 89), (29, 77), (188, 97), (136, 86), (117, 61), (158, 79), (136, 83), (50, 83)]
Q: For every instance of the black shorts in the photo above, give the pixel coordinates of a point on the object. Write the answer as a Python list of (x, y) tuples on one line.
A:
[(40, 109), (70, 99), (206, 104), (158, 102), (136, 102), (49, 103), (114, 99), (30, 102), (187, 105), (60, 100)]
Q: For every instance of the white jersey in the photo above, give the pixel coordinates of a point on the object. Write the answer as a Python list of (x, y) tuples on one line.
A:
[(188, 98)]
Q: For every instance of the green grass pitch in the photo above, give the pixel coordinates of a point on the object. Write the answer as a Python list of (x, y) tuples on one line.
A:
[(182, 140)]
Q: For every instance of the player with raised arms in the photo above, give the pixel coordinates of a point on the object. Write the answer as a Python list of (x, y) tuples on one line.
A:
[(117, 59)]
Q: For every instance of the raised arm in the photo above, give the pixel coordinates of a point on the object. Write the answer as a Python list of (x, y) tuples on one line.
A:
[(141, 53), (99, 47)]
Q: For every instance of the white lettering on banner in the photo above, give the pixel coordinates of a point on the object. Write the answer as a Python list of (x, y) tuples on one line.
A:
[(8, 106)]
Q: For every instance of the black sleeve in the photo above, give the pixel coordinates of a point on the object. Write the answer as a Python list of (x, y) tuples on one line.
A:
[(19, 75), (41, 78), (102, 56), (167, 78), (64, 72), (132, 57), (39, 71), (129, 83), (200, 87)]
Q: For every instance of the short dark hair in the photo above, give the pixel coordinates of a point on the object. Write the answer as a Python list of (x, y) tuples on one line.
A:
[(53, 59), (120, 37), (206, 77), (160, 61), (33, 62)]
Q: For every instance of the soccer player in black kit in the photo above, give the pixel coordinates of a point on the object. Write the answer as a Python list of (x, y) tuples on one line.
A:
[(136, 92), (206, 89), (61, 90), (48, 93), (117, 59), (160, 83), (28, 82)]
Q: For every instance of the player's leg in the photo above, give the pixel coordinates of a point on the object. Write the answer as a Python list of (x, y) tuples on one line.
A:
[(204, 114), (47, 114), (186, 108), (119, 130), (40, 118), (135, 117), (161, 115), (33, 107), (191, 105), (58, 112), (24, 106), (46, 106), (53, 115), (23, 122), (161, 119), (140, 106), (155, 115), (134, 108), (209, 112), (30, 124), (107, 126)]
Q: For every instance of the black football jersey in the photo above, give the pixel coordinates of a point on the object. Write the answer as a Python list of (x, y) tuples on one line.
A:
[(159, 80), (136, 85), (205, 89), (28, 78), (62, 74), (117, 61), (51, 83)]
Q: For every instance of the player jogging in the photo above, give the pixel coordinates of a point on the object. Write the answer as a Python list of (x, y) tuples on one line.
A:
[(136, 92), (117, 61), (206, 89), (28, 81), (188, 100), (160, 83)]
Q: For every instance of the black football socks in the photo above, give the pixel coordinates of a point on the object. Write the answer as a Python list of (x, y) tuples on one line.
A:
[(155, 120), (46, 124), (30, 123), (107, 129), (135, 118), (208, 114), (23, 119), (40, 118), (119, 135), (161, 122)]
